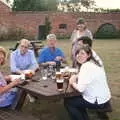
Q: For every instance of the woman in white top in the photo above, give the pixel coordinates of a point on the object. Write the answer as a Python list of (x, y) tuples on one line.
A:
[(90, 82)]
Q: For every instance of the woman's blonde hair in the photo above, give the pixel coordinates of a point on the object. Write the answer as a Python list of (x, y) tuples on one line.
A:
[(2, 50)]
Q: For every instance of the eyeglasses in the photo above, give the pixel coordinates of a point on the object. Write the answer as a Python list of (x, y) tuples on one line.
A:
[(23, 46)]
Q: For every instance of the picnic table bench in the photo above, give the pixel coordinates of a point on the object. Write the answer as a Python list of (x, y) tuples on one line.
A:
[(35, 45)]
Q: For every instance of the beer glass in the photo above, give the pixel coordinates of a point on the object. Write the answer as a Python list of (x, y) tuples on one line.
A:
[(44, 73), (58, 65), (58, 75), (60, 84)]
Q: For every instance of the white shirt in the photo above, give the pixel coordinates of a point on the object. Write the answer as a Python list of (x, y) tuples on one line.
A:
[(92, 83), (97, 58)]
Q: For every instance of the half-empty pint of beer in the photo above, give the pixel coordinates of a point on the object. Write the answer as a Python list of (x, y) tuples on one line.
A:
[(60, 84), (58, 75)]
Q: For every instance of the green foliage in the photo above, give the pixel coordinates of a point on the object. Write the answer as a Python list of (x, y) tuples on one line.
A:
[(34, 5), (13, 34), (106, 31), (44, 29), (118, 34), (62, 35), (77, 5), (87, 3), (102, 10), (47, 26)]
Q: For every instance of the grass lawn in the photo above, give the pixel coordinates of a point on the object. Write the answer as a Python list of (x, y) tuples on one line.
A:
[(109, 51)]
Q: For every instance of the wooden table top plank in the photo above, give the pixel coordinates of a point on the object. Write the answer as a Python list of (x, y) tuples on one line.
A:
[(45, 88)]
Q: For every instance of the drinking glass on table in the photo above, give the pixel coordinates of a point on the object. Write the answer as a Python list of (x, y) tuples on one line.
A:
[(58, 65), (50, 70), (44, 73), (58, 75), (60, 84), (53, 76)]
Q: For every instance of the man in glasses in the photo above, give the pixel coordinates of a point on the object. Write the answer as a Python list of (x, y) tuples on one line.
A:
[(22, 58)]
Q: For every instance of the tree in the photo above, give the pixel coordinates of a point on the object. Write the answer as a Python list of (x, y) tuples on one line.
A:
[(34, 5), (76, 5), (22, 5), (51, 5), (87, 3), (47, 26)]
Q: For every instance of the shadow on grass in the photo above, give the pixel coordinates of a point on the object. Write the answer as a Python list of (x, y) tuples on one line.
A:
[(54, 110)]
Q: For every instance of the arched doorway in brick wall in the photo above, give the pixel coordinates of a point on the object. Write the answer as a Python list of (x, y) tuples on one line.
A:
[(106, 30)]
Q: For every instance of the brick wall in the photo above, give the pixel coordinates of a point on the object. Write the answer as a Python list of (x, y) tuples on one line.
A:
[(30, 21)]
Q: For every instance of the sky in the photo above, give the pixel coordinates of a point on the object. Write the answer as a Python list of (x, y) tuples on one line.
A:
[(108, 3), (104, 3)]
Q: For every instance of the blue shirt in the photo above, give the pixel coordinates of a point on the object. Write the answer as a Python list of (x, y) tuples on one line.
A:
[(22, 62), (48, 55), (7, 97)]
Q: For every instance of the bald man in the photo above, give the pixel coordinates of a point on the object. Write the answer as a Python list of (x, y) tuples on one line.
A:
[(22, 58)]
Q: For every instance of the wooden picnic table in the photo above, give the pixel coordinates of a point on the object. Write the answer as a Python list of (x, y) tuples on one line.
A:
[(43, 89)]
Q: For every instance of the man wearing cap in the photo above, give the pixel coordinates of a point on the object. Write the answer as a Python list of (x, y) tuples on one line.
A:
[(51, 54), (80, 31)]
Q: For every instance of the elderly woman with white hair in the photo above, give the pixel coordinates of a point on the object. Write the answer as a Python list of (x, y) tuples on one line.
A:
[(51, 54), (23, 58)]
